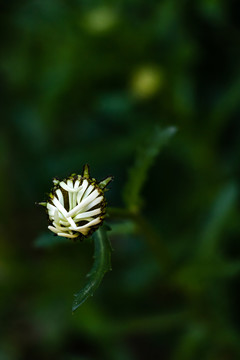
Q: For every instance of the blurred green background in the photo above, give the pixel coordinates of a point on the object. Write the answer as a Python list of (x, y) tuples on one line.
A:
[(87, 82)]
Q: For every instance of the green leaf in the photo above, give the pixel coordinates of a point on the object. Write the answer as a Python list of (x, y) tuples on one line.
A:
[(102, 264), (217, 220), (144, 160)]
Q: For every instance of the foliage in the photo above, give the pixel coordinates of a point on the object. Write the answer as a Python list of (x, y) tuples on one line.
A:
[(139, 171), (101, 83), (102, 264)]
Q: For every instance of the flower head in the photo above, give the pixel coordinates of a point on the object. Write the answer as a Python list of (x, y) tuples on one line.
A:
[(76, 205)]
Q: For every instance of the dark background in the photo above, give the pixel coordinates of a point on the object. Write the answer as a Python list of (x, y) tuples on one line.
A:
[(86, 82)]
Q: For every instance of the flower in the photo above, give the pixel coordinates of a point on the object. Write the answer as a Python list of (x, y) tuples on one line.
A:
[(76, 206)]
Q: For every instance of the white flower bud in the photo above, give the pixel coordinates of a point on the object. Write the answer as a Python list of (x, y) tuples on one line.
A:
[(76, 205)]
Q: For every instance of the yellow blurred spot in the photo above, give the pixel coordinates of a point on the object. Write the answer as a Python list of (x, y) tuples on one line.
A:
[(146, 81), (100, 19)]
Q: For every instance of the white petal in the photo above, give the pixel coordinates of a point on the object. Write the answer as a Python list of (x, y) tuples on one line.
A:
[(60, 207), (87, 192), (60, 196), (51, 207), (68, 188), (84, 203), (77, 182), (93, 203), (70, 194), (64, 223), (51, 213), (60, 228), (53, 229), (68, 235), (70, 183), (88, 225), (56, 216), (71, 222), (82, 190), (87, 214)]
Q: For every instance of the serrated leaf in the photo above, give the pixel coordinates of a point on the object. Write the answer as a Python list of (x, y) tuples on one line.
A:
[(102, 264), (144, 160)]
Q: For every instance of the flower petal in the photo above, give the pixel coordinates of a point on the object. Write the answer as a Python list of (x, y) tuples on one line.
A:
[(83, 203)]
